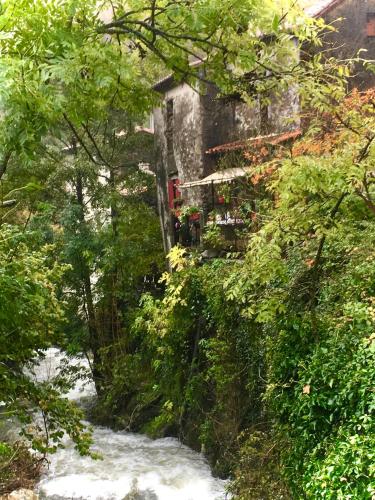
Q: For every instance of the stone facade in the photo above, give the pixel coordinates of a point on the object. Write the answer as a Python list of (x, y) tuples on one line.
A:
[(188, 122), (355, 22), (179, 148)]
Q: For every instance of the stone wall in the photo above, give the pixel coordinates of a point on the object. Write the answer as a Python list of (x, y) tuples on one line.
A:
[(162, 178), (179, 149), (352, 35), (189, 123)]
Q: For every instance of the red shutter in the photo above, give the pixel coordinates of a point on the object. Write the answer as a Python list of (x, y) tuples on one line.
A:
[(176, 191), (170, 194), (370, 28), (173, 192)]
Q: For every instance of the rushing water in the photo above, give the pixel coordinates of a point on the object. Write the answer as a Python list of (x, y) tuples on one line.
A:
[(134, 467)]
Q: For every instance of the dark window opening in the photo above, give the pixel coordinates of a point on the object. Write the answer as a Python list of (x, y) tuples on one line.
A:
[(264, 119), (186, 228), (174, 202), (169, 137)]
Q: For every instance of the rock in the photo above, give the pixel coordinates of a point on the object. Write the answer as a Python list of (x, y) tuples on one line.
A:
[(21, 494), (135, 494), (209, 253)]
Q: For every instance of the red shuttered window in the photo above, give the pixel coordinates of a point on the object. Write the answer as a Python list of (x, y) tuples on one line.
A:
[(173, 192)]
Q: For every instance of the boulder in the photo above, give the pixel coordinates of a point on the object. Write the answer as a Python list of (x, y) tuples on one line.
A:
[(21, 494)]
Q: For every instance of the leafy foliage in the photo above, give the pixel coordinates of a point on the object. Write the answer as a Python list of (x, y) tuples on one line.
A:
[(29, 315), (203, 360), (277, 348), (18, 468), (309, 286)]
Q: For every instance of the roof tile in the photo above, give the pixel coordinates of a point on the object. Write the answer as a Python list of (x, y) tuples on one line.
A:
[(260, 140), (320, 7)]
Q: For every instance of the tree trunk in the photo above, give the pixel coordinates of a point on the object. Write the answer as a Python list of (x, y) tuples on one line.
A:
[(87, 287)]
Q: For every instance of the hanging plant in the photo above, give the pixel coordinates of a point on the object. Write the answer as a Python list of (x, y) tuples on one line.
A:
[(188, 211)]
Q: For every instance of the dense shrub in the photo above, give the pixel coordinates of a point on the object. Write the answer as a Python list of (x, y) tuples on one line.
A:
[(30, 314), (18, 468), (321, 383), (206, 360)]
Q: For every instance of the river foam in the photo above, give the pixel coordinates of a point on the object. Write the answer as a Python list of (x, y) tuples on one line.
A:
[(134, 467)]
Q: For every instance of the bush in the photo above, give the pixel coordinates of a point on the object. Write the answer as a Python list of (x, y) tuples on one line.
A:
[(18, 468)]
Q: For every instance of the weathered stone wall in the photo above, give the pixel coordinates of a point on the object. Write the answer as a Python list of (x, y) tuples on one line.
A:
[(352, 36), (247, 120), (227, 120), (194, 123), (187, 134), (162, 177), (283, 113), (182, 155)]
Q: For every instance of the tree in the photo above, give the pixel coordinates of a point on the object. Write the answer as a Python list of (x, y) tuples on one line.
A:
[(71, 62), (66, 72), (66, 68), (29, 312), (307, 283)]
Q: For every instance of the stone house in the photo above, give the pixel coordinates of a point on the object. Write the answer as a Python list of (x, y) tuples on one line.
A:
[(192, 130)]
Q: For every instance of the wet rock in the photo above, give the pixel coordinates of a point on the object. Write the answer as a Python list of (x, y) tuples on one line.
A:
[(21, 494), (210, 253), (136, 494)]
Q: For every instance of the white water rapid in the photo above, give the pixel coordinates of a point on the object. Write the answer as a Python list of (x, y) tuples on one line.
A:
[(134, 467)]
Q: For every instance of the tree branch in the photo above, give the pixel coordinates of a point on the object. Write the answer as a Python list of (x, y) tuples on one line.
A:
[(80, 140), (92, 139), (4, 163)]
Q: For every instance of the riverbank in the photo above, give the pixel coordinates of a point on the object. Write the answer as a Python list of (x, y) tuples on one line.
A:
[(130, 463), (20, 471), (21, 494)]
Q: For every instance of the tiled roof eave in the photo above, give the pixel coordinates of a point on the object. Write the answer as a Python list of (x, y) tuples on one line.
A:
[(272, 139), (321, 7)]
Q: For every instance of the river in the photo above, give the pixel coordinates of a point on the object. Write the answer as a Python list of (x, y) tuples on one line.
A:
[(134, 467)]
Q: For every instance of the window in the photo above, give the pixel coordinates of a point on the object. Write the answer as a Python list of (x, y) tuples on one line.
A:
[(264, 119), (169, 137), (173, 193)]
